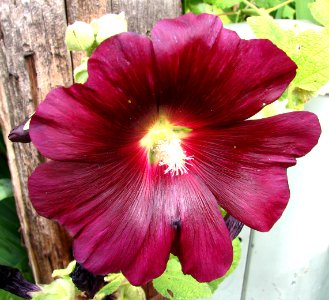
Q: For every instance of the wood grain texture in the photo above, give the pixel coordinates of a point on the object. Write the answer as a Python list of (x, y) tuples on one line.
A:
[(33, 60), (141, 14)]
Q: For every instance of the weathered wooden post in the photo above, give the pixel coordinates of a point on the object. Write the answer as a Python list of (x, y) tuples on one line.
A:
[(33, 60)]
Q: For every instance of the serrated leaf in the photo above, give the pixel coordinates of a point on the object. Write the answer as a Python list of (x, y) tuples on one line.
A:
[(5, 188), (320, 11), (236, 259), (267, 28), (173, 284), (311, 55), (115, 281), (308, 49)]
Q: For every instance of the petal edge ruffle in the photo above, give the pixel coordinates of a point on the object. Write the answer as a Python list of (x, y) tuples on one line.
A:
[(245, 166)]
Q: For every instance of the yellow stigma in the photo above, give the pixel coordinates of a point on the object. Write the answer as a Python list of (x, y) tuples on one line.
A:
[(163, 143)]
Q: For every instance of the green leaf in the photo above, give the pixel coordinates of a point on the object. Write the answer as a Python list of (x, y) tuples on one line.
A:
[(5, 189), (308, 49), (320, 11), (302, 10), (198, 7), (4, 170), (267, 3), (115, 281), (224, 3), (12, 253), (287, 12), (2, 145), (4, 295), (173, 284), (130, 292), (81, 72), (267, 28), (236, 258), (60, 289)]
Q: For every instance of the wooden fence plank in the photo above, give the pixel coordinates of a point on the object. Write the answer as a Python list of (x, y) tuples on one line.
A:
[(33, 59)]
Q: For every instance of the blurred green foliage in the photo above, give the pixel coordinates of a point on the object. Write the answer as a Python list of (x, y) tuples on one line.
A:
[(234, 11), (12, 252)]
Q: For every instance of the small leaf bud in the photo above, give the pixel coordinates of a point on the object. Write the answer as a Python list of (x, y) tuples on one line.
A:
[(81, 71), (79, 36), (109, 25)]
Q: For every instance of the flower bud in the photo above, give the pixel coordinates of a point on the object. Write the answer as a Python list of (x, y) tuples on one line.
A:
[(81, 72), (109, 25), (79, 36), (86, 281), (20, 134), (233, 225), (11, 280)]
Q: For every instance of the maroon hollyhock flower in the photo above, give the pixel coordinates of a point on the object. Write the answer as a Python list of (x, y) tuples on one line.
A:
[(157, 139)]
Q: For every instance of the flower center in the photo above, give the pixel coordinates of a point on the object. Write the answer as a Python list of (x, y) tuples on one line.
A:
[(163, 143)]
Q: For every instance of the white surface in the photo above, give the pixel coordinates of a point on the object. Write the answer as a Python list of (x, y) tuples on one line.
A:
[(292, 260), (231, 288)]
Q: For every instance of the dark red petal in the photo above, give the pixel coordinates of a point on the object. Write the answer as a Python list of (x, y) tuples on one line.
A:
[(208, 75), (125, 63), (115, 107), (124, 216), (158, 241), (117, 221), (245, 165), (204, 243)]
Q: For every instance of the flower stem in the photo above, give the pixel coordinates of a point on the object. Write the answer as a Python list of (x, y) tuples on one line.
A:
[(260, 11), (274, 8), (184, 6)]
